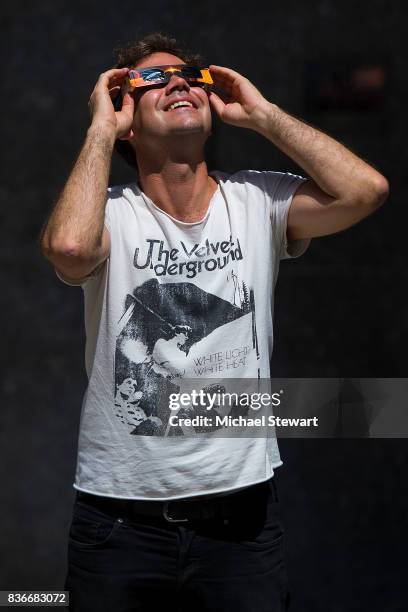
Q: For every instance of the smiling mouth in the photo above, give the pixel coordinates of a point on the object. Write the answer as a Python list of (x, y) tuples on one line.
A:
[(180, 105), (181, 108)]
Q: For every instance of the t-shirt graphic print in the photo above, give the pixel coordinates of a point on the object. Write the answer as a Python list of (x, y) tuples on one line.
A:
[(171, 331)]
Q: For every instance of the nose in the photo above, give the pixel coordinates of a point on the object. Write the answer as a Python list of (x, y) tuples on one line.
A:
[(177, 83)]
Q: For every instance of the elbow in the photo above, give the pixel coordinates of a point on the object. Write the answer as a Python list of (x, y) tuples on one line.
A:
[(370, 196), (65, 255), (379, 191), (60, 249)]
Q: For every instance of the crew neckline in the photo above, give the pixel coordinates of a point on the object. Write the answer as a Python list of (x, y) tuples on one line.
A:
[(214, 196)]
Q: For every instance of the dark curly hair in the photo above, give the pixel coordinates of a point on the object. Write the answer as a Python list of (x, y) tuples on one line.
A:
[(131, 53)]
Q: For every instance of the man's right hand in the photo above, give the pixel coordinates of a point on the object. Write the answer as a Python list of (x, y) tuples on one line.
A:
[(101, 106)]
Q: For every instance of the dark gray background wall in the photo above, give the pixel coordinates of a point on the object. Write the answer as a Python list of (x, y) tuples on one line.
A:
[(340, 309)]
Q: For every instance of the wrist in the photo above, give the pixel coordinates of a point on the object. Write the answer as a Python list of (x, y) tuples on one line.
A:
[(263, 117), (104, 132)]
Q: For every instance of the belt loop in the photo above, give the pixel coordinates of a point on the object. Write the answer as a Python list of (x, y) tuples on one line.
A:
[(169, 518)]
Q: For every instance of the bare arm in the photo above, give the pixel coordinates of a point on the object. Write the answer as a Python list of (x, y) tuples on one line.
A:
[(75, 239), (343, 188)]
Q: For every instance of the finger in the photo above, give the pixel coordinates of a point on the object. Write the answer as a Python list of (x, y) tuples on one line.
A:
[(127, 136), (128, 104), (225, 75), (226, 78), (113, 75), (224, 71), (217, 103), (221, 77)]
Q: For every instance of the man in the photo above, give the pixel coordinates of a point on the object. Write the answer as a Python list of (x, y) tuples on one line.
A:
[(162, 518)]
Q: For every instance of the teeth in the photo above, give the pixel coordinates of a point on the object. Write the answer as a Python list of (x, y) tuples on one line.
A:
[(182, 103)]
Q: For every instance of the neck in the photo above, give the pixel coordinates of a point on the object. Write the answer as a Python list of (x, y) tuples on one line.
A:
[(182, 189)]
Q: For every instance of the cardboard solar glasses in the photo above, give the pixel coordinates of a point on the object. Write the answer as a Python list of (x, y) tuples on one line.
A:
[(154, 75)]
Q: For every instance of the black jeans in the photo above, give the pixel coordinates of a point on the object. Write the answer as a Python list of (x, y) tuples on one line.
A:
[(120, 563)]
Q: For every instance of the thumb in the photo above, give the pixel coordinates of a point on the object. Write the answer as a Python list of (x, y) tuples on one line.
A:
[(216, 103), (127, 136), (128, 104)]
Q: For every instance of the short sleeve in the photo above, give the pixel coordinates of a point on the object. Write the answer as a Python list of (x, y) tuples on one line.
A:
[(96, 272), (82, 282), (280, 188)]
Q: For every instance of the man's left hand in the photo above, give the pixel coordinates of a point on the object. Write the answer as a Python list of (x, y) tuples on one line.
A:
[(243, 104)]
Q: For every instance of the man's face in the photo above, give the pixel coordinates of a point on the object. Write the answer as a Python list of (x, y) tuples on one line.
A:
[(128, 386), (154, 119)]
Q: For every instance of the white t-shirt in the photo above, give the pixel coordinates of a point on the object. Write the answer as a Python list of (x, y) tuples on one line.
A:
[(175, 302)]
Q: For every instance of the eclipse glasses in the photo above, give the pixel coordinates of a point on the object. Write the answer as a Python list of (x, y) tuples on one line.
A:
[(154, 75)]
